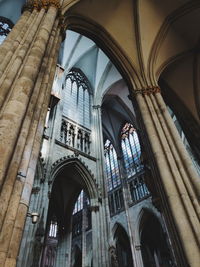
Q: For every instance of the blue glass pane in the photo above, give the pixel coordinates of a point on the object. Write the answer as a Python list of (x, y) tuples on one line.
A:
[(76, 99), (112, 168), (131, 149)]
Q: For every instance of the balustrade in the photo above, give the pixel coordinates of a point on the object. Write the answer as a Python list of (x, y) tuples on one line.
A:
[(138, 188), (75, 136)]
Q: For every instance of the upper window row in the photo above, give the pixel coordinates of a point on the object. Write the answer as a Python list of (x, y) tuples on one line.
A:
[(77, 98), (5, 28), (131, 156)]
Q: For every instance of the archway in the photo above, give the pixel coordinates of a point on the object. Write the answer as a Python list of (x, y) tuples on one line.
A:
[(77, 257), (70, 179), (154, 244), (123, 248)]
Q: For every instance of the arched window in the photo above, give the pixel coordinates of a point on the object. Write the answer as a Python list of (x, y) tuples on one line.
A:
[(77, 98), (131, 149), (184, 139), (112, 167), (53, 229), (79, 203), (5, 28)]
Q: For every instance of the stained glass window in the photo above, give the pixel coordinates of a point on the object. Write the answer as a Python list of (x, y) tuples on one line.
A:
[(184, 139), (77, 98), (53, 229), (5, 28), (79, 203), (131, 149), (112, 167)]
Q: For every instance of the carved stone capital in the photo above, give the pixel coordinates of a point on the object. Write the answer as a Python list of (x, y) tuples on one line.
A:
[(147, 91), (96, 106), (35, 190), (38, 4), (21, 176), (138, 247), (62, 26), (94, 208)]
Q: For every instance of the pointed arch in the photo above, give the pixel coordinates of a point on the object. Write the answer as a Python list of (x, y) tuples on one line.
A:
[(77, 97), (116, 227), (143, 216), (112, 166), (103, 39), (88, 180), (154, 242), (131, 149), (77, 256), (123, 247), (170, 55)]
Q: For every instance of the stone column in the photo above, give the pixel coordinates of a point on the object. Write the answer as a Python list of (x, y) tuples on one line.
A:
[(178, 179), (12, 42), (84, 227), (63, 255), (100, 230), (138, 255), (23, 117), (127, 199)]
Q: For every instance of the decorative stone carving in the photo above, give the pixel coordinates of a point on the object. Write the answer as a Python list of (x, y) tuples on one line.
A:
[(94, 208), (35, 190), (38, 4), (75, 136), (113, 256), (147, 91)]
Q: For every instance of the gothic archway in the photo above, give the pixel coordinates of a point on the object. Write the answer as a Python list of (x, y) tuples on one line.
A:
[(154, 242), (122, 245), (69, 177), (103, 39)]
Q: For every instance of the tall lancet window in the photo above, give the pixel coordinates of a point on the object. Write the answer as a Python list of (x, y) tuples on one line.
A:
[(5, 28), (77, 98), (131, 149), (184, 140), (112, 167)]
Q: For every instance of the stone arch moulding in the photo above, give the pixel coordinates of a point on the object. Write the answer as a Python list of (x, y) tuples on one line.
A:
[(154, 71), (82, 168), (116, 226), (104, 40), (143, 215)]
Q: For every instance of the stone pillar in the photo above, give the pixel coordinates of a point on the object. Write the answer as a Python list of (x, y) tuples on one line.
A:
[(33, 233), (138, 255), (127, 199), (63, 255), (177, 177), (100, 225), (84, 227), (25, 91)]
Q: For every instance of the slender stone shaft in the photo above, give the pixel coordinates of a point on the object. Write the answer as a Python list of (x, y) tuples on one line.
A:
[(102, 214), (28, 163), (40, 88), (7, 45), (14, 61), (15, 110), (170, 174), (192, 174)]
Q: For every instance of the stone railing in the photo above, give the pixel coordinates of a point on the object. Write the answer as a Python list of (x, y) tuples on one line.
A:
[(75, 136), (138, 188)]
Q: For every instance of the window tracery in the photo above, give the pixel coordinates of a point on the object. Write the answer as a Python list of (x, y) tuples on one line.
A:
[(79, 203), (81, 213), (131, 150), (115, 195), (184, 139), (77, 98), (112, 167), (75, 136), (5, 27)]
